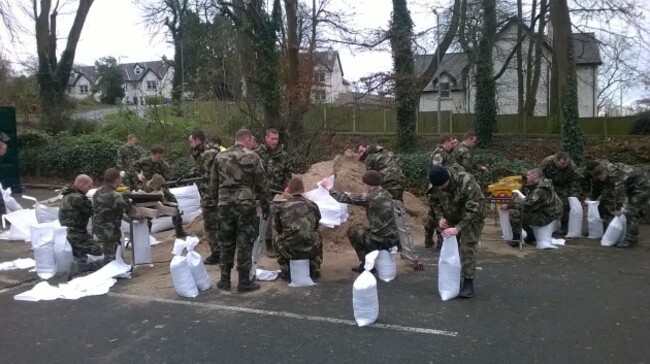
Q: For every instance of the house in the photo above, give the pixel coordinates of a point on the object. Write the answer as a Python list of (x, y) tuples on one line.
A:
[(328, 77), (140, 80), (456, 77)]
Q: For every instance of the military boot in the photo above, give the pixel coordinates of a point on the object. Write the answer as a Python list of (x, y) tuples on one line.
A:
[(270, 252), (516, 238), (467, 291), (224, 282), (530, 236), (245, 285), (180, 232), (213, 259)]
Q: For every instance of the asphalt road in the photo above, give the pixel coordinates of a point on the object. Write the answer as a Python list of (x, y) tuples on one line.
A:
[(579, 304)]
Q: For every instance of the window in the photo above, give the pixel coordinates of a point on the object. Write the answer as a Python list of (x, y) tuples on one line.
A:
[(152, 86), (83, 89), (445, 90), (138, 70), (320, 95), (319, 77)]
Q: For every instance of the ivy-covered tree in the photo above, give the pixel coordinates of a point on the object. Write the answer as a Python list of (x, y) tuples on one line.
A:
[(109, 82), (406, 97), (485, 106)]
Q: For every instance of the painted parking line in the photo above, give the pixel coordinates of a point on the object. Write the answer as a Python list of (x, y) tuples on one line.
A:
[(216, 306)]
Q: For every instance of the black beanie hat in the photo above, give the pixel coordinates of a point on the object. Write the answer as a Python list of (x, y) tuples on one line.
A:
[(372, 178), (438, 176)]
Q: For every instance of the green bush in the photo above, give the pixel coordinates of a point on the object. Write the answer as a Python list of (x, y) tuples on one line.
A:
[(414, 166), (153, 100), (498, 166)]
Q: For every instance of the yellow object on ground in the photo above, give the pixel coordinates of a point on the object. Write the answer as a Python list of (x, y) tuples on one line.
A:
[(122, 189), (504, 187)]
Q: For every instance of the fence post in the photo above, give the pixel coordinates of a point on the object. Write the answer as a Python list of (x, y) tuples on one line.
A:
[(451, 123), (325, 115), (605, 126), (385, 131), (354, 118), (417, 121)]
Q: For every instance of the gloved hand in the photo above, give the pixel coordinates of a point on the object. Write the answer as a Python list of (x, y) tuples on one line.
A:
[(620, 212), (266, 211)]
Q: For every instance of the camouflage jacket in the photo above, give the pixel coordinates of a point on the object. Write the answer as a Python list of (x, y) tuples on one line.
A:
[(296, 222), (380, 210), (76, 209), (441, 157), (127, 156), (276, 165), (204, 167), (542, 205), (385, 162), (198, 161), (149, 168), (237, 176), (109, 207), (461, 203), (620, 178), (566, 182), (464, 158)]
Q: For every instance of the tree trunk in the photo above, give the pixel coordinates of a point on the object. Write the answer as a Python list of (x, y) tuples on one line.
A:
[(531, 93), (520, 61), (293, 90), (53, 75), (564, 85), (485, 103)]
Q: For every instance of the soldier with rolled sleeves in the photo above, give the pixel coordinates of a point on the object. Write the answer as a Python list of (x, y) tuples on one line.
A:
[(541, 206), (237, 181), (380, 159), (381, 232), (75, 212), (127, 155), (564, 175), (457, 204), (296, 223), (463, 154), (108, 209), (276, 163), (155, 164), (626, 190)]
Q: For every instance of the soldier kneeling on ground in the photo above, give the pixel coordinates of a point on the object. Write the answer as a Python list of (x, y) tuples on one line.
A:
[(296, 223), (381, 232)]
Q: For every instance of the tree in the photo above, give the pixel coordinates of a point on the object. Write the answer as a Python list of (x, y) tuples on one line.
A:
[(54, 73), (401, 37), (564, 84), (109, 83), (485, 101)]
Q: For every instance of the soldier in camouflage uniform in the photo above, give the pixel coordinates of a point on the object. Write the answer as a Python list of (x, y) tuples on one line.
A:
[(155, 164), (463, 154), (127, 155), (276, 163), (541, 206), (380, 159), (237, 180), (381, 232), (296, 223), (109, 207), (441, 156), (202, 169), (563, 173), (626, 190), (75, 212), (457, 205)]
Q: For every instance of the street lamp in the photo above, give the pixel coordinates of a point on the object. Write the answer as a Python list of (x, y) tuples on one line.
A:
[(438, 59)]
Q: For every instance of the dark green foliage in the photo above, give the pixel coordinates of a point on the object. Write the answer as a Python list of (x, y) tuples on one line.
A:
[(415, 167), (573, 139), (109, 82), (401, 37), (485, 102), (641, 125)]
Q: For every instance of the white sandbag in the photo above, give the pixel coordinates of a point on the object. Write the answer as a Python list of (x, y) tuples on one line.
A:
[(299, 270), (45, 213), (386, 266), (62, 250), (10, 203), (594, 222), (42, 239), (544, 236), (333, 213), (197, 267), (141, 246), (181, 273), (20, 222), (506, 227), (189, 202), (615, 231), (575, 218), (365, 301), (449, 268)]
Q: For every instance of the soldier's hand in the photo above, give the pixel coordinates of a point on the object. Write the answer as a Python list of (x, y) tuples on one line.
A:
[(484, 168), (141, 177), (325, 183), (620, 212), (450, 232), (443, 223)]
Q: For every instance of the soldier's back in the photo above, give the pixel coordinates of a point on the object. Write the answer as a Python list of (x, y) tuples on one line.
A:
[(238, 171)]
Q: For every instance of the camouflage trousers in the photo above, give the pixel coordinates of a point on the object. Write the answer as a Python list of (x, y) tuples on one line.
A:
[(109, 239), (312, 250), (638, 200), (397, 194), (566, 208), (431, 227), (358, 235), (236, 232), (131, 181), (109, 249), (83, 243), (468, 240), (177, 219), (211, 225)]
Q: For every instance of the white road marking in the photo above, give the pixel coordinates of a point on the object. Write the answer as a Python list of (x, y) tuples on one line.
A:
[(216, 306)]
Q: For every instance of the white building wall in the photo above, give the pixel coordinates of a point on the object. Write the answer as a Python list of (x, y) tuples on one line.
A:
[(334, 83), (76, 89), (457, 102), (587, 86)]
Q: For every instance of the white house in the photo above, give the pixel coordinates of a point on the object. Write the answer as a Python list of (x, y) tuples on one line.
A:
[(328, 77), (456, 77), (140, 80)]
